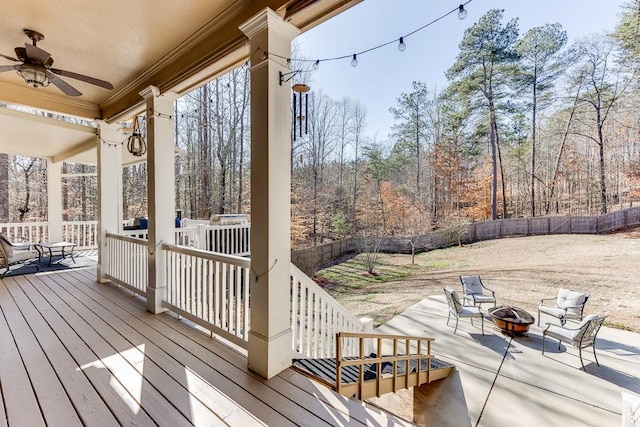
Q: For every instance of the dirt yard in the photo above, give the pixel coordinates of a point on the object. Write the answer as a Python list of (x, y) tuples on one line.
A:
[(520, 270)]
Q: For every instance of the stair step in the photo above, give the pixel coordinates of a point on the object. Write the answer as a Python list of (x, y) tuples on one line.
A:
[(324, 370)]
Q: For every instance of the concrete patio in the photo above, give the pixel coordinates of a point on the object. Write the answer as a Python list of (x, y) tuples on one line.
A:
[(500, 380)]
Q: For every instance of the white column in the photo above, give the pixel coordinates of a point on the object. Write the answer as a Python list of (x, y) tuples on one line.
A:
[(270, 348), (161, 187), (54, 200), (109, 191)]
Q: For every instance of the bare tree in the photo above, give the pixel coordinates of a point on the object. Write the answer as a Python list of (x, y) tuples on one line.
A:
[(604, 84)]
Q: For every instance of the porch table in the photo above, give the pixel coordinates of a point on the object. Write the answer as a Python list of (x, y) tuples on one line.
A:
[(57, 247)]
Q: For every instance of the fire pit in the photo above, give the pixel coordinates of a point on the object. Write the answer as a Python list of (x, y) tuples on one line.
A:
[(512, 320)]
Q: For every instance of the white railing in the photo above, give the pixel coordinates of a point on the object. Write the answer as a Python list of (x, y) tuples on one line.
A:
[(128, 262), (83, 233), (33, 232), (224, 239), (188, 236), (233, 239), (211, 290), (630, 410), (316, 318), (188, 222), (138, 234)]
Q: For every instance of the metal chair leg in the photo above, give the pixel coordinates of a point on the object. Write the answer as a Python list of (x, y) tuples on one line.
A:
[(581, 362), (448, 318), (456, 328), (543, 336), (482, 324), (594, 353)]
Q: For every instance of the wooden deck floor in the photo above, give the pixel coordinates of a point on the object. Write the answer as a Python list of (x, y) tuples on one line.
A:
[(75, 352)]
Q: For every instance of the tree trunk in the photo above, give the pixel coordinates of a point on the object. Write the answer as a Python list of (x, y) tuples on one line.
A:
[(533, 152), (603, 182), (494, 162), (502, 183)]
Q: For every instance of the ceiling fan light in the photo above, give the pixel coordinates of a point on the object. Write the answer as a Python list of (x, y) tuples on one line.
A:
[(33, 75)]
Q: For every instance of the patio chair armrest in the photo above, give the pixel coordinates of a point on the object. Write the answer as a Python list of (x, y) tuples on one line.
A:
[(490, 290), (547, 299)]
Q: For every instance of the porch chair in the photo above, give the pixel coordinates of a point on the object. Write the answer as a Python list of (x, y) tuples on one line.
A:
[(473, 291), (567, 305), (14, 253), (459, 310), (582, 336)]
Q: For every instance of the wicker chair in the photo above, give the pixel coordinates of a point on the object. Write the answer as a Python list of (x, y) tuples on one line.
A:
[(15, 253)]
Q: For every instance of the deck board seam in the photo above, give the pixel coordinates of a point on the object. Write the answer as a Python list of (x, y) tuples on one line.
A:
[(64, 354), (51, 377), (38, 284)]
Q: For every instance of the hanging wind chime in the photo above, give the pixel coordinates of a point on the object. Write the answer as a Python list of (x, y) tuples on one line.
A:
[(298, 117), (136, 144), (298, 90)]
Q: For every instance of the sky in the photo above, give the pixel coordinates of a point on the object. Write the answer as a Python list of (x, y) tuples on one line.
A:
[(382, 75)]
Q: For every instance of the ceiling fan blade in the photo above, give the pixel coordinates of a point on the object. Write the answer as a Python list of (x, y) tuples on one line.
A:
[(62, 85), (8, 68), (21, 53), (10, 58), (83, 78), (37, 55)]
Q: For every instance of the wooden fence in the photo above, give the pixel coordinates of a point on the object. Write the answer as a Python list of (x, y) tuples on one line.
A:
[(554, 225), (308, 260)]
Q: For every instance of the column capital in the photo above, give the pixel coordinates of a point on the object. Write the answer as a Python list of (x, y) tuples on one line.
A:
[(268, 19), (150, 92), (153, 92)]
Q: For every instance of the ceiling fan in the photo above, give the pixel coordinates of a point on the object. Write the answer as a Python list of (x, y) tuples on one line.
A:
[(35, 68)]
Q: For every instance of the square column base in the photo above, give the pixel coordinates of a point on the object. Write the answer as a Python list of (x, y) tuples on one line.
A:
[(270, 356)]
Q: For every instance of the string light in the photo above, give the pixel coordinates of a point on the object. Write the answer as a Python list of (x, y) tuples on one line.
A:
[(461, 11), (401, 45), (108, 143)]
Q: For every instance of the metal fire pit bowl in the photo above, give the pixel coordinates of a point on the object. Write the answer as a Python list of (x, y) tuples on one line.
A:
[(513, 320)]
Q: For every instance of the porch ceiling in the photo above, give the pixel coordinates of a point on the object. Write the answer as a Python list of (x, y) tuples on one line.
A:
[(175, 45)]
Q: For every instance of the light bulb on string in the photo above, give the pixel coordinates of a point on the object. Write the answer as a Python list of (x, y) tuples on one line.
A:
[(316, 65), (354, 61), (401, 45), (462, 12)]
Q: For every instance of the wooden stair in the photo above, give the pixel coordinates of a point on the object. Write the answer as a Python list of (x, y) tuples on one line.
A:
[(363, 377)]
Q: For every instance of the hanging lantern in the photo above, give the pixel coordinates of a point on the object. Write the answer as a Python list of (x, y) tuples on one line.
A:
[(136, 143)]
